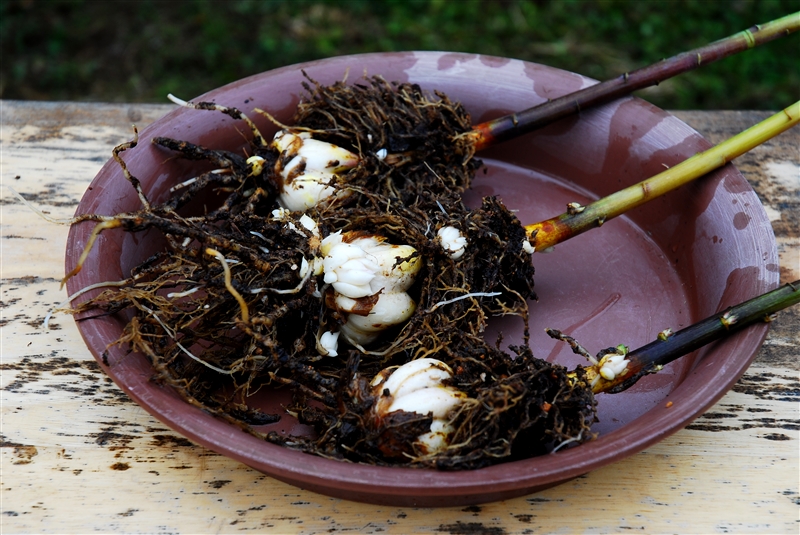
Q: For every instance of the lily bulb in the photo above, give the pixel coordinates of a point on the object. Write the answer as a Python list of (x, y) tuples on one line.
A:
[(452, 241), (418, 387), (369, 277), (389, 310), (328, 344), (613, 364), (307, 166), (607, 366)]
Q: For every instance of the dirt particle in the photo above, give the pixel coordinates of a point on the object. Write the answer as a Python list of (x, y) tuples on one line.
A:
[(107, 437), (120, 466), (170, 441), (470, 528), (24, 454), (711, 428), (718, 415)]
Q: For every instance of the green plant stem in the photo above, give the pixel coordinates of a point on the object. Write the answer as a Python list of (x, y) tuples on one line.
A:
[(516, 124), (577, 220), (653, 356)]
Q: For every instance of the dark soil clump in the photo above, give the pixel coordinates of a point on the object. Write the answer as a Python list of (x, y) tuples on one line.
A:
[(227, 308)]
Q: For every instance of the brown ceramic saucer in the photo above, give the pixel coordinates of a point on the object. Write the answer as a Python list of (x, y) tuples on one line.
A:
[(666, 264)]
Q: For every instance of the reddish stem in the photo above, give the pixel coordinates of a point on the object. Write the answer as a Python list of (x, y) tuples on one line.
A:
[(516, 124)]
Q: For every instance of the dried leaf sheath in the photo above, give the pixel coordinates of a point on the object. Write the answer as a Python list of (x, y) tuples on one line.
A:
[(218, 341)]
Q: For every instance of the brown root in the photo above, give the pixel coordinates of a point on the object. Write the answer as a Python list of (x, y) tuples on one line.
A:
[(225, 310)]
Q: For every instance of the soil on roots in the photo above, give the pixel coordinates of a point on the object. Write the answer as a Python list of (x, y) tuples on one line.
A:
[(232, 306)]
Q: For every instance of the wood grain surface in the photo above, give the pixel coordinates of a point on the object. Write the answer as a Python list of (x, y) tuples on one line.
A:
[(78, 456)]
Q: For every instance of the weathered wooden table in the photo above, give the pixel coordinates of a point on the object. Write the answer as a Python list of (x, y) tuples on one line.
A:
[(78, 456)]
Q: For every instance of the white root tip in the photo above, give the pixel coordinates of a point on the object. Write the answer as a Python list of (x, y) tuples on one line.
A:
[(38, 212), (176, 100)]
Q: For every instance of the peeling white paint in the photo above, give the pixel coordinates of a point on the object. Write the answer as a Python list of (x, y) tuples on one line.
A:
[(772, 213), (787, 174)]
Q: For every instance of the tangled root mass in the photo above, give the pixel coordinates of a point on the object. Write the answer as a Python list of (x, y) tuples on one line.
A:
[(217, 349)]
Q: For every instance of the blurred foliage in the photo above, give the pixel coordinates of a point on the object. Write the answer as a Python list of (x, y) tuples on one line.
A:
[(141, 50)]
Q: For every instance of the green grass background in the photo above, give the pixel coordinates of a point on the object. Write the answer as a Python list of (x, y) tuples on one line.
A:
[(138, 51)]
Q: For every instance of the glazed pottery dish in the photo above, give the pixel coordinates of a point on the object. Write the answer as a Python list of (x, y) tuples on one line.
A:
[(666, 264)]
